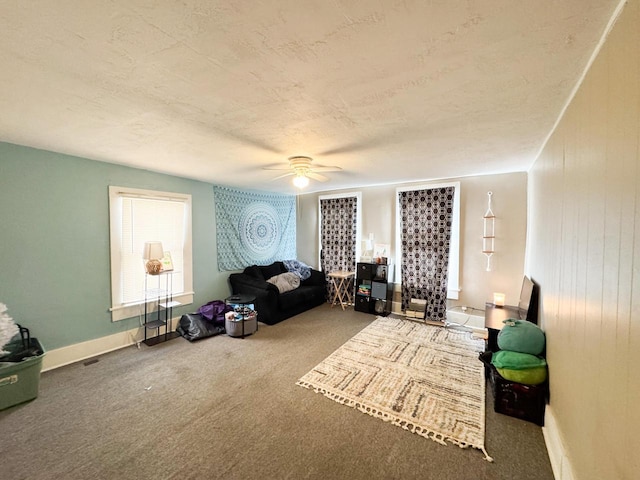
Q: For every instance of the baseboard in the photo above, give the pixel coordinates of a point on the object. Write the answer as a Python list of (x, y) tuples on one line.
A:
[(396, 307), (560, 464), (81, 351), (476, 331)]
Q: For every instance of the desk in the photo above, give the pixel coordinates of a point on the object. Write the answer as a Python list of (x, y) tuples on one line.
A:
[(342, 281), (494, 317)]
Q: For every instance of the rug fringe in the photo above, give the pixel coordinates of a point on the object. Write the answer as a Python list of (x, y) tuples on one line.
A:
[(423, 432), (486, 455)]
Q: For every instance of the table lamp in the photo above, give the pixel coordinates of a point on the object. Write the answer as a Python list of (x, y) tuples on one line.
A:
[(152, 253)]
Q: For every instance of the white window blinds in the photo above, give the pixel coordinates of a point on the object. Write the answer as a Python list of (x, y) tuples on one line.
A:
[(141, 216)]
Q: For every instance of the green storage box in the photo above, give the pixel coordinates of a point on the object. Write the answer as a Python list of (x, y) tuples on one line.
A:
[(20, 381)]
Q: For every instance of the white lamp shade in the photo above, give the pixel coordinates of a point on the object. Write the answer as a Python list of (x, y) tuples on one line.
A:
[(498, 299), (152, 251)]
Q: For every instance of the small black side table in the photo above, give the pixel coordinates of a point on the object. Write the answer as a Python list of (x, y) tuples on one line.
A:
[(242, 300), (494, 317)]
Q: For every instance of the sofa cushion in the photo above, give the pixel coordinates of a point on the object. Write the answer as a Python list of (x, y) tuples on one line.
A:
[(300, 296), (268, 271), (254, 271), (317, 278)]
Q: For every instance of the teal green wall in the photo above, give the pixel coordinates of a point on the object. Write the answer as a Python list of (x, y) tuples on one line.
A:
[(54, 242)]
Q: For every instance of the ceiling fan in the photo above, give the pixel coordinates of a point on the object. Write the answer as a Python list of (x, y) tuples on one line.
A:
[(302, 170)]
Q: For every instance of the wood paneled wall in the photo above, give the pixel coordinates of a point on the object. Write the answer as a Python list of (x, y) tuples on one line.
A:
[(584, 250)]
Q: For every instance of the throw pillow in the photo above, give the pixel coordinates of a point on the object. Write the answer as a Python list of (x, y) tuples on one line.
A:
[(516, 360), (285, 281), (530, 376), (521, 336), (299, 268)]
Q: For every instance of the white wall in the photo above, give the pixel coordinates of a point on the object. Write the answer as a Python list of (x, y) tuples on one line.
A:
[(478, 285), (584, 250)]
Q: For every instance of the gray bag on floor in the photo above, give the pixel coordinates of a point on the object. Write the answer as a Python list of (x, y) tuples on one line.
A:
[(193, 326)]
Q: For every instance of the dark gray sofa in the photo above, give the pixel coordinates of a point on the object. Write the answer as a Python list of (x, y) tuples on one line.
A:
[(271, 305)]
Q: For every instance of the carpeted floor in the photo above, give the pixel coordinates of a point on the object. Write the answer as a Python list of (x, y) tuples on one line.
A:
[(230, 408)]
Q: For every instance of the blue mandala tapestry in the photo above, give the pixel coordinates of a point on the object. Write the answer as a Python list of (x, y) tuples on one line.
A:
[(253, 227)]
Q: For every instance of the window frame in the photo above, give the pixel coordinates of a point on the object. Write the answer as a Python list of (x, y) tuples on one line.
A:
[(121, 311)]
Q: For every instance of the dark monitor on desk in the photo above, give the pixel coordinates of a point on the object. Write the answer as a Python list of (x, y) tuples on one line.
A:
[(528, 302)]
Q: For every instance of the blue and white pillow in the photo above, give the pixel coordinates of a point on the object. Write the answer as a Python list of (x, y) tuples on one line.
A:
[(299, 268)]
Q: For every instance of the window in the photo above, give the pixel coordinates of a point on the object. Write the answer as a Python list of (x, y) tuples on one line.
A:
[(453, 288), (339, 230), (137, 216)]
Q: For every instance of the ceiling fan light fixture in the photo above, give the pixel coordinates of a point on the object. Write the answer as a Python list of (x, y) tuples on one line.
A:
[(300, 181)]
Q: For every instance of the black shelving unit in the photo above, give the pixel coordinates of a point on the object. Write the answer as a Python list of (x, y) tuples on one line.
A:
[(158, 308), (373, 290)]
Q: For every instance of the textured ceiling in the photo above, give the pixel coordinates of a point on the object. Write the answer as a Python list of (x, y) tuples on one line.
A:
[(390, 91)]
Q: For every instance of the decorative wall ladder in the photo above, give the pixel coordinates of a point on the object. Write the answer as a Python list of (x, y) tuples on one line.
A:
[(489, 233)]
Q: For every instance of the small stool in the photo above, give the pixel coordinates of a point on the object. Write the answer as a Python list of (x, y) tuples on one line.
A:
[(342, 281)]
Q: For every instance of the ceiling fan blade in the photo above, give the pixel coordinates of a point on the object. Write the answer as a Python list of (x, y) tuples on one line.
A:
[(322, 168), (282, 176), (277, 167), (317, 176)]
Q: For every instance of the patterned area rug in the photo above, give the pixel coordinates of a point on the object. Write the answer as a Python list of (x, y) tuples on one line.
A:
[(423, 378)]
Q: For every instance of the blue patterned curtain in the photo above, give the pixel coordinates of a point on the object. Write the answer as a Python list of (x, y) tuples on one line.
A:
[(253, 227), (426, 217)]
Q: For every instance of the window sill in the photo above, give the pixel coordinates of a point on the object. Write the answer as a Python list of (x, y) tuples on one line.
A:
[(131, 310)]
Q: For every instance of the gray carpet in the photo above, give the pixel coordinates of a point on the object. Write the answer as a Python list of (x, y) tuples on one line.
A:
[(230, 408)]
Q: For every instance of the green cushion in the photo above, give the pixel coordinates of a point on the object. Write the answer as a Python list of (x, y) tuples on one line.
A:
[(516, 360), (530, 376), (521, 336)]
